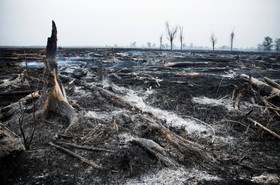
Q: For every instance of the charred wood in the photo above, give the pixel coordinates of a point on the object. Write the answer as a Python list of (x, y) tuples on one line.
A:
[(85, 147), (156, 150), (265, 128), (268, 90), (12, 111), (54, 96), (9, 141), (195, 152), (73, 154), (272, 83)]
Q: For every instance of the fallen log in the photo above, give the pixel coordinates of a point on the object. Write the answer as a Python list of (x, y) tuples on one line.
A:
[(182, 147), (12, 111), (272, 83), (156, 150), (9, 141), (75, 155), (15, 93), (193, 74), (178, 64), (195, 152), (267, 89)]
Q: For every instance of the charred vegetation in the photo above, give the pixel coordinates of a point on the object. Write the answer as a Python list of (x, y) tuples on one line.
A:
[(131, 116)]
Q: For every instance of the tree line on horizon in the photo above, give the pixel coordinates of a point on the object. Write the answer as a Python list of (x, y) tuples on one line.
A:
[(172, 32), (266, 45)]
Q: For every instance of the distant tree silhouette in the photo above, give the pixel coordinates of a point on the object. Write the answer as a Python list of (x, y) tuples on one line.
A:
[(181, 29), (267, 43), (133, 44), (213, 41), (160, 41), (231, 39), (191, 45), (171, 34), (277, 44), (259, 47)]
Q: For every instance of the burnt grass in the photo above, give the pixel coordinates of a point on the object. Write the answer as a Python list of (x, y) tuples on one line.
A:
[(242, 150)]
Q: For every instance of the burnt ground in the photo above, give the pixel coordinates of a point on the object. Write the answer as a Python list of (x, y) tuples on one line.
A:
[(120, 99)]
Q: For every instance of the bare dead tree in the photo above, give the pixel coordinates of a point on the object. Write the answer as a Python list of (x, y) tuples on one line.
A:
[(160, 41), (181, 29), (213, 41), (171, 34), (231, 39), (53, 96)]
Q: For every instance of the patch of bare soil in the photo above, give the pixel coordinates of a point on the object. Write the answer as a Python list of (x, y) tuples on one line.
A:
[(144, 116)]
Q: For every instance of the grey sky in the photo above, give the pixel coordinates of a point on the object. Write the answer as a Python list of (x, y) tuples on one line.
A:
[(109, 22)]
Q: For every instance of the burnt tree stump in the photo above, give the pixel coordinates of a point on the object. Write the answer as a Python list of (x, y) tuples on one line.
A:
[(54, 97)]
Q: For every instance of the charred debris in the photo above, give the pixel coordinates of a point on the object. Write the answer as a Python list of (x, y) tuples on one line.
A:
[(91, 116)]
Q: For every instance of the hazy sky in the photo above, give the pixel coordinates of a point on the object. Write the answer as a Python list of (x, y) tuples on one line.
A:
[(109, 22)]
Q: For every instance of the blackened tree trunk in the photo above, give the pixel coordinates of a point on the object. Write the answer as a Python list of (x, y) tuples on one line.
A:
[(54, 95)]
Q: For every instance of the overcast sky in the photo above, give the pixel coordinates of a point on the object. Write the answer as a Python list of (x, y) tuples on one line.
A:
[(109, 22)]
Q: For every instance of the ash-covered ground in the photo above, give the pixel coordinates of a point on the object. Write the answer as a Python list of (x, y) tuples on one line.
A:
[(122, 95)]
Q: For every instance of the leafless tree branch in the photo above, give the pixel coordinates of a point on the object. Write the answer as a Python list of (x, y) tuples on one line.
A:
[(231, 39), (181, 29), (213, 40), (160, 41), (171, 34)]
